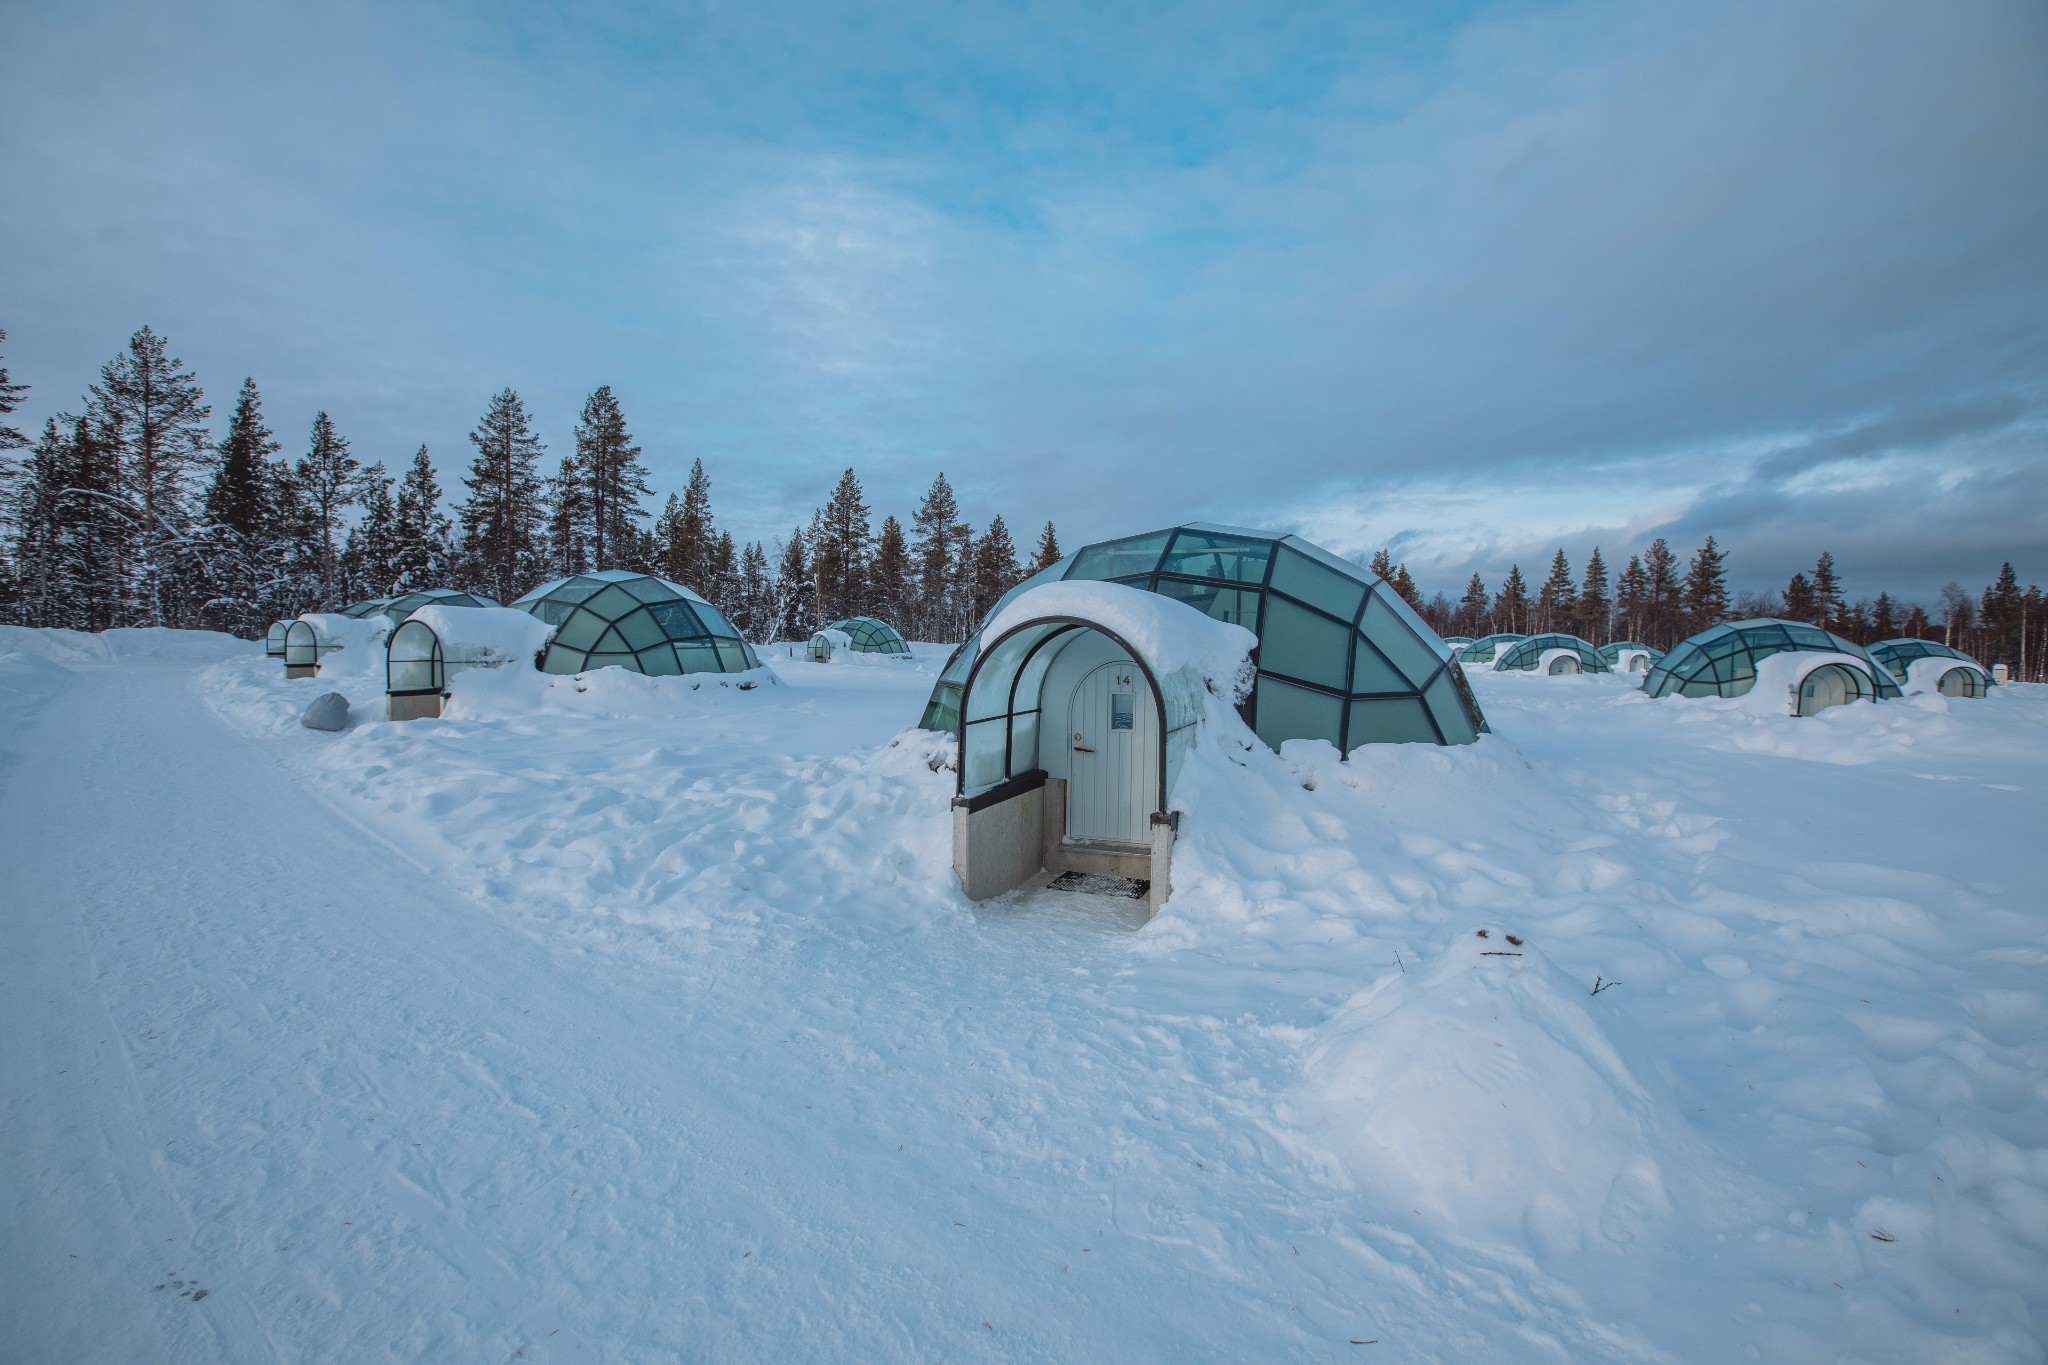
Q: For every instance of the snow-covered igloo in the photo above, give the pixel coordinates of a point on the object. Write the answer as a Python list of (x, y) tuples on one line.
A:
[(438, 642), (1630, 656), (1554, 653), (1483, 649), (618, 619), (398, 608), (858, 635), (1931, 666), (356, 611), (1729, 659), (314, 636), (1340, 656)]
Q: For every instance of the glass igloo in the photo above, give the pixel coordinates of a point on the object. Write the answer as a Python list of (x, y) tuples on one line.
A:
[(1553, 653), (859, 635), (398, 608), (1457, 642), (356, 611), (618, 619), (1630, 656), (1721, 661), (1959, 675), (1340, 656), (1483, 649), (273, 640)]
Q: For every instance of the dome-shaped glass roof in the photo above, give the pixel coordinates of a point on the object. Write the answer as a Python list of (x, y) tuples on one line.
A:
[(1482, 650), (870, 636), (273, 640), (1614, 651), (618, 619), (1340, 657), (356, 611), (1897, 656), (1526, 656), (398, 608), (1721, 661)]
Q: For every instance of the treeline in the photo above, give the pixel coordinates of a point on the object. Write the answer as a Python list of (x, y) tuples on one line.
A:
[(130, 513), (1658, 601)]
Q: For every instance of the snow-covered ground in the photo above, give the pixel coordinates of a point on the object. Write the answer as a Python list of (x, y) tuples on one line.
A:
[(642, 1019)]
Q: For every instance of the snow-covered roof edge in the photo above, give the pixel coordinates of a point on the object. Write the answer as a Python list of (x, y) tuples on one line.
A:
[(1166, 633)]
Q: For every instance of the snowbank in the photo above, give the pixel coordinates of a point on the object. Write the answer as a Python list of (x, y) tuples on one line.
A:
[(1775, 692), (1923, 676), (1167, 633), (485, 636)]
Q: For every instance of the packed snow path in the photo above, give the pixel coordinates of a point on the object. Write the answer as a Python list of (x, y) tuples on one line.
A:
[(645, 1028)]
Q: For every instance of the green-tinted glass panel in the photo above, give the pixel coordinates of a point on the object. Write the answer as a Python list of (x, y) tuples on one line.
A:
[(1392, 636), (1448, 710), (575, 590), (660, 661), (962, 662), (715, 623), (1302, 644), (1371, 673), (612, 603), (1118, 558), (1239, 606), (942, 711), (649, 589), (1205, 554), (754, 659), (641, 630), (552, 611), (732, 656), (1286, 712), (611, 642), (1297, 575), (560, 660), (677, 620), (1394, 721), (580, 631), (697, 656), (414, 675), (612, 659)]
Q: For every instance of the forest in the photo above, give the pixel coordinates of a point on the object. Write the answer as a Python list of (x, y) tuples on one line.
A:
[(132, 511)]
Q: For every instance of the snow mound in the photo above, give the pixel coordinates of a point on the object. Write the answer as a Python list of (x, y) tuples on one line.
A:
[(485, 635), (613, 693), (1168, 634), (1489, 1089), (1778, 678)]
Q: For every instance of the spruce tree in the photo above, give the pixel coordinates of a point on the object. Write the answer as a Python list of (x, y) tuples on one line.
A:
[(1799, 598), (420, 550), (614, 480), (757, 594), (233, 548), (1382, 565), (1883, 618), (372, 546), (1631, 600), (1473, 609), (503, 517), (1048, 552), (1706, 588), (1596, 609), (1827, 592), (1557, 601), (840, 541), (2002, 609), (722, 574), (1511, 604), (34, 517), (11, 395), (995, 567), (570, 520), (793, 620), (237, 499), (889, 576), (1404, 585), (329, 479), (149, 409), (686, 550), (1660, 596), (938, 547)]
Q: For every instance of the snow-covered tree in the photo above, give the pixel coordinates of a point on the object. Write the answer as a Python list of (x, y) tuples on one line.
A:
[(503, 518)]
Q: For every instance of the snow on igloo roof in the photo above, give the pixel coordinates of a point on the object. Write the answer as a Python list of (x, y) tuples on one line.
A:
[(400, 607), (1483, 649), (869, 635), (619, 619), (1721, 661), (1898, 655), (356, 611), (1528, 654), (1340, 656)]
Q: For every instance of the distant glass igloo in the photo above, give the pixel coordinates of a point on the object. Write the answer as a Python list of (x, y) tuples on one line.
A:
[(618, 619), (398, 608), (1551, 653), (356, 611), (1630, 656), (1341, 657), (858, 635), (1483, 649), (1950, 672), (1722, 662)]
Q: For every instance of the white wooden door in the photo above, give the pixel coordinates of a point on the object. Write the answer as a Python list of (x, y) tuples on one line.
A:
[(1114, 767)]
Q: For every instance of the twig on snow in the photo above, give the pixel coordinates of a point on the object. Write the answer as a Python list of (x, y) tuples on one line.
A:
[(1600, 985)]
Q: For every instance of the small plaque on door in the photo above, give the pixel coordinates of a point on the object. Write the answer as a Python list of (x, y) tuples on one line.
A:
[(1120, 713)]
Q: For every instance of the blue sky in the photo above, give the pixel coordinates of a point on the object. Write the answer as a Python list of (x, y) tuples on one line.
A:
[(1469, 280)]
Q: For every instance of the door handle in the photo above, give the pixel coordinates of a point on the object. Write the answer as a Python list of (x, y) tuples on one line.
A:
[(1083, 749)]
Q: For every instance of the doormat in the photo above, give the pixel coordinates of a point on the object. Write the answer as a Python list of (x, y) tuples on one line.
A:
[(1097, 884)]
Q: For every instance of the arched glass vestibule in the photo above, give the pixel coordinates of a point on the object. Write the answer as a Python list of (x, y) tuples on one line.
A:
[(1832, 684), (1070, 743)]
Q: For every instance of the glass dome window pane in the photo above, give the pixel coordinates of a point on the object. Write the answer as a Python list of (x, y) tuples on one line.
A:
[(1390, 632), (1393, 720), (962, 662), (1287, 712), (715, 623), (678, 620), (611, 603), (641, 630), (697, 656), (942, 712), (1372, 673), (1303, 644), (1238, 606), (660, 661), (650, 589), (732, 656), (552, 612), (610, 659), (580, 631), (1452, 716), (1297, 575), (1207, 554), (577, 589), (560, 660), (1121, 558)]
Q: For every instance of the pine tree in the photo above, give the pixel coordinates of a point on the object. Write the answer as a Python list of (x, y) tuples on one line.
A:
[(1596, 608), (755, 618), (793, 620), (1557, 601), (1917, 626), (11, 395), (614, 479), (839, 545), (34, 518), (2003, 613), (995, 567), (1474, 609), (1706, 588), (1632, 599), (1511, 604), (1048, 552), (1799, 598), (889, 576), (722, 574), (236, 499), (420, 551), (1827, 592), (371, 549), (1382, 566), (686, 548), (329, 480), (1883, 618), (1661, 619), (233, 550), (502, 518), (570, 520), (938, 550), (149, 408)]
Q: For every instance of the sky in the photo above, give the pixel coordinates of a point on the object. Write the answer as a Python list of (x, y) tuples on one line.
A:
[(1470, 281)]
